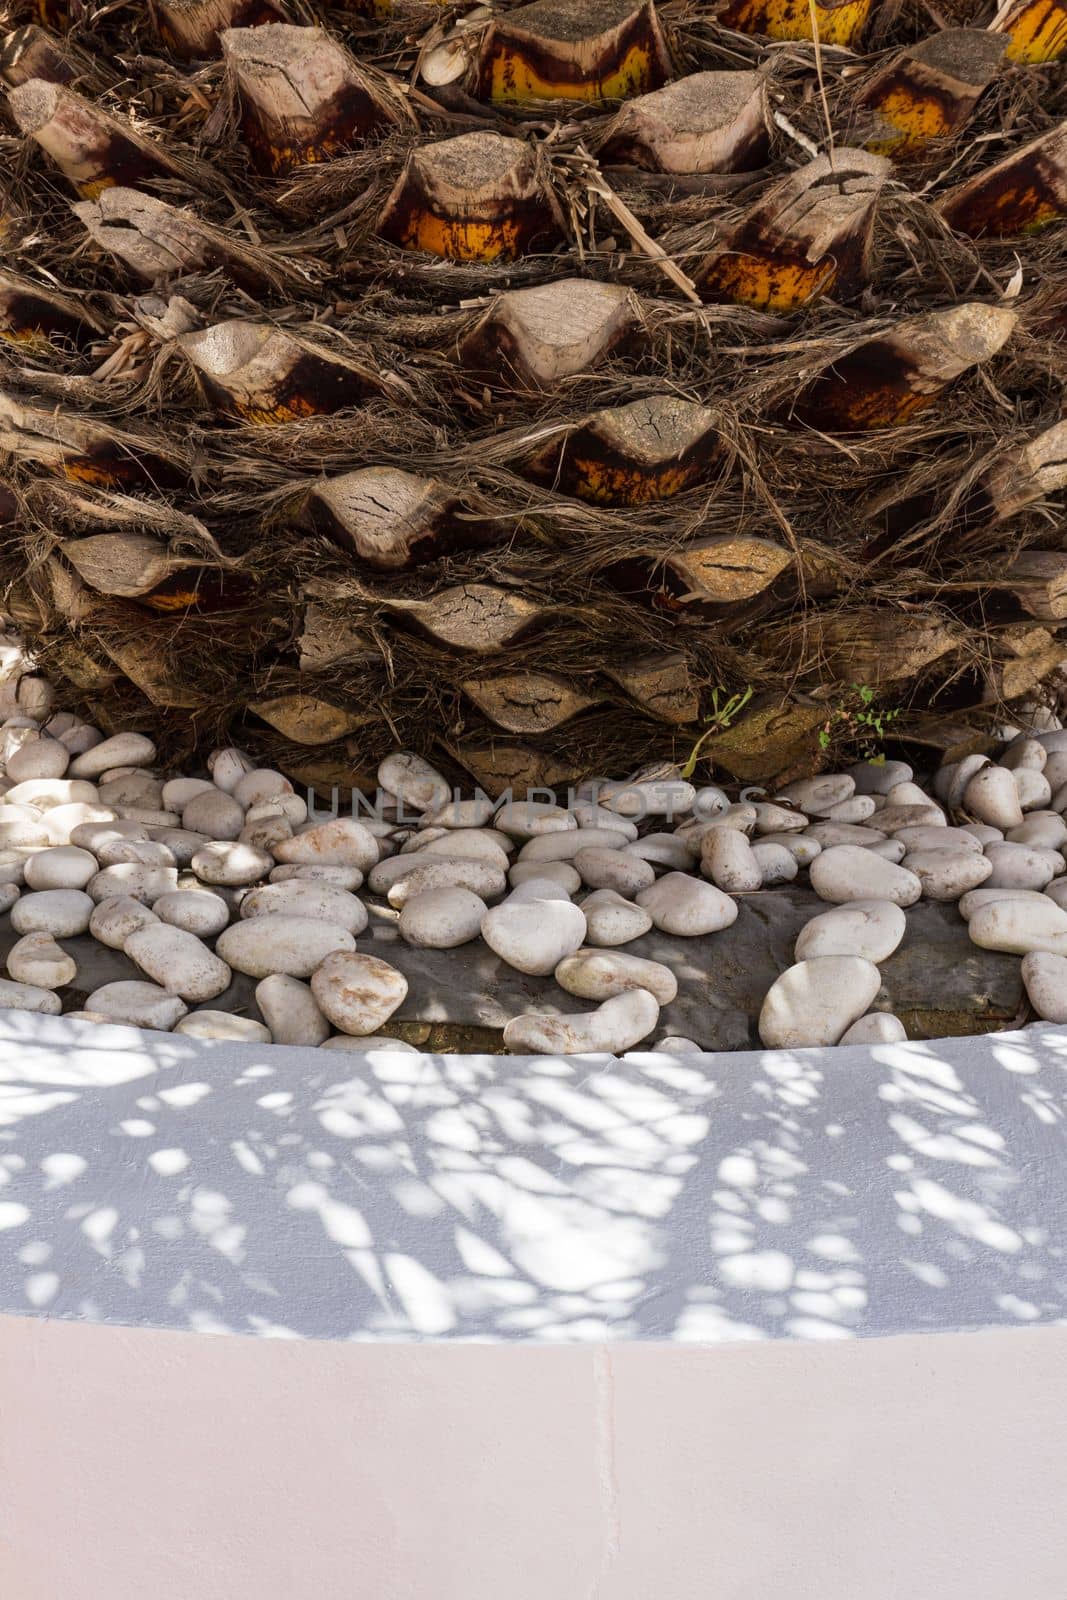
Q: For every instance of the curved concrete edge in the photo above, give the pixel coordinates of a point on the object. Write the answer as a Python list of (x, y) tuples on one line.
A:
[(159, 1181)]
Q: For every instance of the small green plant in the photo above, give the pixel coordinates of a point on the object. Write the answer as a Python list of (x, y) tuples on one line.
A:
[(862, 720), (723, 712)]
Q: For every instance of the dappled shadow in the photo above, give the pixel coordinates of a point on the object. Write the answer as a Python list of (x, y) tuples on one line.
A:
[(151, 1179)]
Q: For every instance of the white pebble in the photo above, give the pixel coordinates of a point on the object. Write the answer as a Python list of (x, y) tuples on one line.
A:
[(686, 906), (418, 785), (600, 974), (1020, 926), (122, 750), (615, 1026), (847, 872), (196, 911), (442, 919), (64, 913), (116, 918), (290, 1010), (138, 1004), (261, 946), (227, 767), (444, 872), (947, 874), (323, 902), (214, 813), (613, 869), (178, 961), (877, 1027), (207, 1024), (143, 883), (342, 877), (37, 959), (1021, 866), (871, 929), (612, 920), (558, 872), (814, 1002), (991, 796), (64, 867), (231, 864), (38, 758), (534, 935), (1045, 980), (28, 997), (357, 993), (726, 858), (342, 842)]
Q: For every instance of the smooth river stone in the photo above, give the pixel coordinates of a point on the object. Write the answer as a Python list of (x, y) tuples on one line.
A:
[(611, 920), (207, 1024), (858, 809), (214, 813), (261, 946), (177, 792), (871, 929), (1056, 892), (614, 869), (565, 846), (877, 1027), (661, 797), (776, 863), (817, 796), (939, 839), (357, 993), (534, 935), (442, 919), (231, 864), (538, 889), (1025, 752), (615, 1026), (947, 874), (891, 819), (61, 822), (601, 974), (801, 846), (878, 777), (121, 750), (847, 872), (663, 850), (778, 819), (889, 850), (460, 814), (985, 896), (91, 835), (1045, 981), (991, 796), (1033, 788), (291, 1011), (37, 959), (477, 844), (143, 883), (63, 867), (1020, 926), (262, 783), (21, 829), (687, 906), (143, 852), (63, 913), (418, 785), (45, 793), (227, 767), (321, 901), (9, 893), (371, 1044), (1045, 829), (446, 872), (528, 819), (29, 997), (726, 858), (814, 1002), (341, 842), (197, 911), (830, 835), (38, 758), (139, 1004), (1021, 866), (115, 919), (135, 789), (342, 877), (589, 816), (950, 782), (178, 961), (558, 872)]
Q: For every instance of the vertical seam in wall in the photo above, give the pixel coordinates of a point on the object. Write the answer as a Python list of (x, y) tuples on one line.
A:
[(607, 1480)]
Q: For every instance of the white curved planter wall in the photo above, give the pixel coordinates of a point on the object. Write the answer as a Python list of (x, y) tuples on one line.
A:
[(733, 1326)]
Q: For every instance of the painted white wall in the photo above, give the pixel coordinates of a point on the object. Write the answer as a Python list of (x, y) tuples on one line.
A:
[(140, 1463)]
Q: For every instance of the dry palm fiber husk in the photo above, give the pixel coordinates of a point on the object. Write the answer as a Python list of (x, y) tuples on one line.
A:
[(862, 536)]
